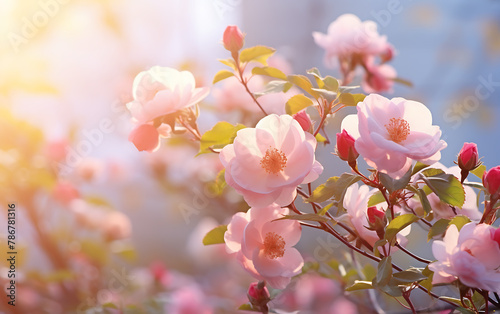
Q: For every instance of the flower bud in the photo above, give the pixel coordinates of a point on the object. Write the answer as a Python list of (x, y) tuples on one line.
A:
[(374, 213), (258, 294), (145, 137), (468, 158), (345, 147), (304, 120), (491, 181), (233, 39), (496, 236), (388, 54)]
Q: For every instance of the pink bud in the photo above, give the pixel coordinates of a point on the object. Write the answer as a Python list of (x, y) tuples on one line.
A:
[(258, 296), (345, 147), (233, 38), (468, 157), (496, 236), (304, 120), (491, 181), (145, 137), (373, 212), (388, 54)]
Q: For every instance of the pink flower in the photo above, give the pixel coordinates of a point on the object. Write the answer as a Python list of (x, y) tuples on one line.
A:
[(233, 38), (356, 204), (265, 247), (188, 300), (266, 163), (345, 147), (258, 296), (471, 255), (304, 120), (468, 157), (378, 78), (65, 192), (161, 91), (145, 138), (391, 133), (116, 226), (347, 37), (491, 181), (231, 95), (374, 213)]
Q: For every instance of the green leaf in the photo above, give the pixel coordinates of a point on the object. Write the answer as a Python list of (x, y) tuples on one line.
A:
[(306, 217), (359, 285), (393, 288), (426, 205), (418, 166), (222, 75), (274, 87), (403, 81), (331, 84), (475, 185), (296, 103), (215, 236), (304, 83), (460, 221), (392, 184), (325, 209), (384, 272), (409, 276), (438, 228), (320, 138), (219, 184), (248, 307), (269, 71), (257, 53), (334, 187), (398, 224), (479, 171), (95, 251), (220, 135), (446, 186), (378, 244), (349, 99), (228, 62), (317, 76), (375, 199), (328, 95)]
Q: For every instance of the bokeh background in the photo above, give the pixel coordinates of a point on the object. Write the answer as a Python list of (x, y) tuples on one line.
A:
[(66, 71)]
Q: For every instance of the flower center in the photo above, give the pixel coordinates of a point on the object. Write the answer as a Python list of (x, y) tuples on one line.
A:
[(274, 245), (398, 129), (274, 161)]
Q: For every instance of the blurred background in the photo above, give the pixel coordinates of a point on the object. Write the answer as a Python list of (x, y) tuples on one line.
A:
[(92, 210)]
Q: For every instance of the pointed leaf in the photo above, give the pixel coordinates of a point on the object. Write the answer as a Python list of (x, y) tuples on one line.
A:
[(215, 236), (220, 135), (438, 228), (269, 71), (359, 285), (479, 171), (446, 186), (375, 199), (392, 184), (384, 272), (304, 83), (418, 166), (398, 224), (349, 99), (222, 75), (409, 276), (228, 62), (460, 221), (296, 103), (257, 53), (274, 87)]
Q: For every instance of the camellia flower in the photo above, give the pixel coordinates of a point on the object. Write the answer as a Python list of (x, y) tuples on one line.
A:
[(266, 163), (391, 133), (264, 246), (347, 37), (471, 255), (161, 91)]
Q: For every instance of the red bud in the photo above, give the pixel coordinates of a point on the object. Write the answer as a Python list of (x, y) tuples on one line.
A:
[(491, 181), (304, 120), (345, 147), (468, 157), (233, 38)]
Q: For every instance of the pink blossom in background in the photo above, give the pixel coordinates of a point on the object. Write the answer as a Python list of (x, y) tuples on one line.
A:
[(348, 36), (378, 78), (188, 300), (65, 192), (145, 137), (265, 247), (471, 255), (356, 204), (266, 163), (232, 95), (161, 91), (390, 134)]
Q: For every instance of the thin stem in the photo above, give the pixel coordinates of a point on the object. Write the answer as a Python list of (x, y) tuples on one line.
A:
[(418, 258), (406, 296), (244, 82), (323, 117)]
